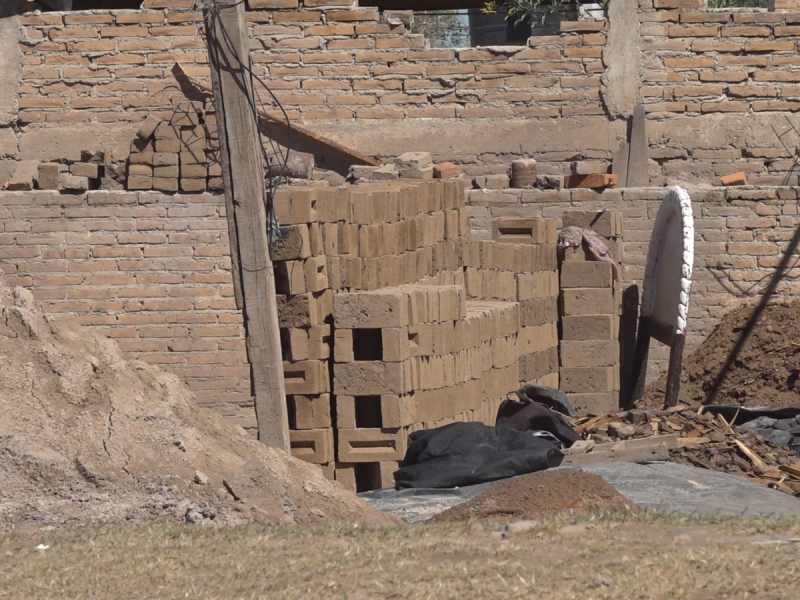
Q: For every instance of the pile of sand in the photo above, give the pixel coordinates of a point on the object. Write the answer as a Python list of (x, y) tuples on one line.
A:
[(765, 372), (542, 494), (86, 436)]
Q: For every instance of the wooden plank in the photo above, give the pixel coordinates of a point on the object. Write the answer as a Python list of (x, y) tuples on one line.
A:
[(674, 370), (752, 456), (654, 452), (686, 441), (671, 440), (356, 156), (794, 472), (230, 212), (638, 175), (639, 362), (240, 145), (619, 166), (594, 181)]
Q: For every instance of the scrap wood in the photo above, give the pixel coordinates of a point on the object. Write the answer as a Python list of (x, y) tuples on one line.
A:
[(700, 439), (752, 456), (654, 452), (794, 472), (686, 441), (295, 128)]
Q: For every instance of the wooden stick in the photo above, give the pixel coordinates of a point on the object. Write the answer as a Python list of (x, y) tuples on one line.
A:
[(752, 456), (353, 154)]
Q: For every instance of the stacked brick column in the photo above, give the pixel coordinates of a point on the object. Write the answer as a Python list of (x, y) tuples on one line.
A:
[(589, 310), (410, 358), (180, 153)]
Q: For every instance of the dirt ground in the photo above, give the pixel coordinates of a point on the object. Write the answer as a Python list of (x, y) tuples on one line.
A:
[(633, 556), (541, 495), (88, 437), (765, 372)]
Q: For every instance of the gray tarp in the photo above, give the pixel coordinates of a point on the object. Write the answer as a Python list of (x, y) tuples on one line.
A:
[(663, 487)]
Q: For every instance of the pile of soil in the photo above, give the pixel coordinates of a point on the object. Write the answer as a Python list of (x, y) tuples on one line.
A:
[(542, 494), (766, 370), (86, 436)]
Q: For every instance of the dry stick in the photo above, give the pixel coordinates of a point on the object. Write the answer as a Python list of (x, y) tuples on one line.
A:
[(357, 156), (752, 456)]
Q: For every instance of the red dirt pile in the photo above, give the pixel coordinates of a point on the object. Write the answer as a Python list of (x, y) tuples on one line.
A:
[(86, 436), (766, 371), (542, 494)]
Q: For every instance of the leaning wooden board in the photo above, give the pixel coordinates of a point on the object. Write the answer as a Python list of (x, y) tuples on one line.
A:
[(638, 450)]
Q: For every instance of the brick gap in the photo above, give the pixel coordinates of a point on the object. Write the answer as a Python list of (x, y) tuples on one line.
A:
[(367, 344), (368, 412), (368, 476)]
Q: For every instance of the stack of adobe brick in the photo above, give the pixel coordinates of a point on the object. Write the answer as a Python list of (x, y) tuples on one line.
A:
[(379, 338), (589, 309), (179, 154), (519, 265), (414, 357)]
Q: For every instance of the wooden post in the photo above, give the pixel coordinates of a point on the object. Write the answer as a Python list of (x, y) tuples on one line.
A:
[(674, 371), (243, 176)]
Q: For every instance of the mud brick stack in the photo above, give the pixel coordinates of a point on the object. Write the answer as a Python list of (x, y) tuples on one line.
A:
[(409, 358), (178, 154), (392, 321), (520, 265), (589, 310)]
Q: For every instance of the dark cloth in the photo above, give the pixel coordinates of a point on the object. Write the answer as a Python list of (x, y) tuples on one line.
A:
[(532, 416), (552, 398), (462, 454)]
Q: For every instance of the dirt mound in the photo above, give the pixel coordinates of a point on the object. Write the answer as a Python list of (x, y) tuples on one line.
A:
[(86, 436), (542, 494), (766, 370)]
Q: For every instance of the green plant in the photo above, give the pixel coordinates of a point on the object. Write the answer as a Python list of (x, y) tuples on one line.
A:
[(534, 10)]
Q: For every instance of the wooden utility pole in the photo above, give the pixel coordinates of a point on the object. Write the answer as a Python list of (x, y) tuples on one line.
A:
[(243, 175)]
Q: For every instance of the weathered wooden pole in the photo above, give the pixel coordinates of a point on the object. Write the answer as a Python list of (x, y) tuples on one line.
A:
[(243, 175)]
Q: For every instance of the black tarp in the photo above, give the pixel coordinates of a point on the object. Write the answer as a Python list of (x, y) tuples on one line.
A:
[(462, 454), (532, 416)]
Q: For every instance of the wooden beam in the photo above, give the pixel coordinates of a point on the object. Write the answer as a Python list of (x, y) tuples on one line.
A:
[(243, 176), (356, 156), (674, 370)]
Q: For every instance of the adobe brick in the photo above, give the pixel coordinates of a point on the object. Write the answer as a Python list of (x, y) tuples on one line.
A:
[(132, 31), (674, 31), (174, 31), (71, 33)]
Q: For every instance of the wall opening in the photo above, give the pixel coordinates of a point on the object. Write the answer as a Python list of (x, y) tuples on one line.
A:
[(368, 412), (367, 344)]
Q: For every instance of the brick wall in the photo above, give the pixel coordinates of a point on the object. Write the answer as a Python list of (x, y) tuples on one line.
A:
[(740, 237), (149, 270), (330, 66), (715, 83), (90, 77)]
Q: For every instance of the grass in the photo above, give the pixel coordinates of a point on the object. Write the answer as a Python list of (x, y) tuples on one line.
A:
[(604, 556)]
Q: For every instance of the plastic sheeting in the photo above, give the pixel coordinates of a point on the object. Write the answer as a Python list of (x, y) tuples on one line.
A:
[(661, 487)]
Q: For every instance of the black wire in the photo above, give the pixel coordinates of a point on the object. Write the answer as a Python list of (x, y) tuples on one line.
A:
[(272, 183)]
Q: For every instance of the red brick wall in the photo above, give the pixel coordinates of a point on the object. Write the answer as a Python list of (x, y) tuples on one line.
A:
[(150, 270), (324, 63), (715, 83)]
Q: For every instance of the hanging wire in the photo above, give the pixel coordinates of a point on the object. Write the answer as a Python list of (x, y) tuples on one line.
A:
[(277, 158)]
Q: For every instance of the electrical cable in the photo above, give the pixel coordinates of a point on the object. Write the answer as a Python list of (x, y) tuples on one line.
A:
[(272, 182)]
